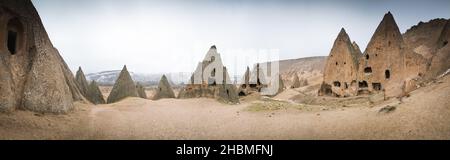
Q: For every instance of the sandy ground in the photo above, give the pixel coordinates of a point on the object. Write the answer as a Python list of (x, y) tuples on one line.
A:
[(423, 115)]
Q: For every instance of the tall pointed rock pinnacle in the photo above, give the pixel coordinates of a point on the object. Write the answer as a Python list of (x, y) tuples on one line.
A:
[(220, 89), (356, 47), (386, 50), (343, 45), (164, 89), (343, 33), (342, 62), (387, 34), (81, 82), (124, 87), (94, 94)]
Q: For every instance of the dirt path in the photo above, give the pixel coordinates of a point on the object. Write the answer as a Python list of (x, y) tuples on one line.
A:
[(424, 115)]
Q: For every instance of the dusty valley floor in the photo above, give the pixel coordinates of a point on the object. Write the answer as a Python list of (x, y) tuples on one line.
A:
[(425, 114)]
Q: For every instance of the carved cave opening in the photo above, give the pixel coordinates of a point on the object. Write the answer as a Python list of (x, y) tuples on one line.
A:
[(337, 84), (377, 86), (387, 74), (363, 84), (368, 70), (15, 35)]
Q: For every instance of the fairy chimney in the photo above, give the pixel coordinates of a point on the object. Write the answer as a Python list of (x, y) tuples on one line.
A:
[(341, 67), (33, 74), (81, 82), (164, 89), (387, 62), (124, 87), (211, 80), (94, 95)]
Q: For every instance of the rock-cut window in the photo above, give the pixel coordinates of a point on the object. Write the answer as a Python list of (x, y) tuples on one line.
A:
[(12, 42), (15, 33), (387, 74), (368, 70)]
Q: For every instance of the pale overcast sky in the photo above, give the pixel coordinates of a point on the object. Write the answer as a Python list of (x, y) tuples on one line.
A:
[(173, 36)]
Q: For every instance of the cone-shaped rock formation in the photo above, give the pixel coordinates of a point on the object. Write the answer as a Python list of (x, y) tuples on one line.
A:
[(386, 65), (164, 89), (211, 80), (33, 74), (82, 82), (387, 62), (94, 94), (124, 87), (342, 66)]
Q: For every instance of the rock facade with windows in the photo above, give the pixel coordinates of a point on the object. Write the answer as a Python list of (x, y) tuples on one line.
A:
[(388, 65), (211, 80)]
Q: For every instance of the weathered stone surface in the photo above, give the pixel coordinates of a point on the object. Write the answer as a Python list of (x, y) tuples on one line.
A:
[(245, 87), (385, 66), (6, 98), (441, 59), (304, 82), (94, 95), (164, 89), (33, 74), (387, 109), (141, 91), (356, 48), (81, 82), (423, 38), (296, 82), (341, 68), (257, 81), (280, 84), (387, 61), (205, 83), (124, 87), (227, 93)]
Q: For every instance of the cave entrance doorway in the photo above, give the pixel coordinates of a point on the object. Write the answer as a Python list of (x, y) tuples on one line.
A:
[(12, 42), (15, 36)]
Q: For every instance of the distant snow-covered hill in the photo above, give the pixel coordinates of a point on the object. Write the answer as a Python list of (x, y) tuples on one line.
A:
[(109, 77)]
